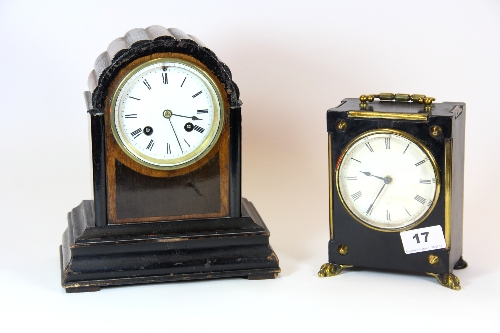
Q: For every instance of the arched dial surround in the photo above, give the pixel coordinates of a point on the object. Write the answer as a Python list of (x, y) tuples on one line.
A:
[(387, 180), (167, 113)]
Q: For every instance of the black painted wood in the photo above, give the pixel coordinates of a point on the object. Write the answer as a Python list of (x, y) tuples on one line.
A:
[(235, 162), (154, 39), (384, 250), (97, 142), (94, 257), (95, 253)]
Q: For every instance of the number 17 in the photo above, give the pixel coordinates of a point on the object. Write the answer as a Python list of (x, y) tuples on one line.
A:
[(426, 234)]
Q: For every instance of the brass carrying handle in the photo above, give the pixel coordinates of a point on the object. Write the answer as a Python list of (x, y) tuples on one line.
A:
[(422, 99)]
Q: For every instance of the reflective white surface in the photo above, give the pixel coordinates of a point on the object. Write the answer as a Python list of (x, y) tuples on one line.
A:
[(386, 180), (165, 112)]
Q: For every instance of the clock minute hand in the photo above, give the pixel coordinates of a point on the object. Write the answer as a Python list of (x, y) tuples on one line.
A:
[(371, 206), (192, 118), (175, 134)]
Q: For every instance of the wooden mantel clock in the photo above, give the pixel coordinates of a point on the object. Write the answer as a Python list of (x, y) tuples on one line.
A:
[(396, 185), (165, 124)]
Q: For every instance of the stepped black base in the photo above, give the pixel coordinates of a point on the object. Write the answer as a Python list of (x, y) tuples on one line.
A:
[(94, 257)]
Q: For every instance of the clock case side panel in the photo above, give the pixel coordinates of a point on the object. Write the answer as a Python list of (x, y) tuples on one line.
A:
[(235, 162), (142, 42), (98, 161), (456, 218), (367, 247)]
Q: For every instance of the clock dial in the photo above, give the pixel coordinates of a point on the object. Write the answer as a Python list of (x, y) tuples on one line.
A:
[(387, 180), (167, 113)]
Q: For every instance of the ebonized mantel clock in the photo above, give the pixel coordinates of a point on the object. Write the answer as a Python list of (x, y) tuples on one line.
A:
[(165, 124), (396, 185)]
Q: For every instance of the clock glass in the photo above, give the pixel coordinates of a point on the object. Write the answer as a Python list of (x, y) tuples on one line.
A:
[(387, 180), (167, 113)]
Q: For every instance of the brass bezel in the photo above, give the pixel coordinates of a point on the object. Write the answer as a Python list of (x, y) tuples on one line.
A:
[(412, 139), (196, 154)]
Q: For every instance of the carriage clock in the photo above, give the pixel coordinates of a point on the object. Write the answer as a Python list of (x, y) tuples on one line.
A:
[(165, 126), (396, 170)]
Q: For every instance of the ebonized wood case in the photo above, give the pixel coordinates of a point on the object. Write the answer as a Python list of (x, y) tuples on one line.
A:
[(440, 130), (149, 224)]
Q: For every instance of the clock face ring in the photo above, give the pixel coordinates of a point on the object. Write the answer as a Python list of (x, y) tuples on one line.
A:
[(167, 113), (387, 180)]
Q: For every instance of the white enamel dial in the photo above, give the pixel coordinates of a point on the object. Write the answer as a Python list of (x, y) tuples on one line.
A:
[(167, 113), (387, 180)]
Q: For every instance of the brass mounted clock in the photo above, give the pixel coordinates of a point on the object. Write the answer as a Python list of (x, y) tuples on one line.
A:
[(396, 185), (165, 124)]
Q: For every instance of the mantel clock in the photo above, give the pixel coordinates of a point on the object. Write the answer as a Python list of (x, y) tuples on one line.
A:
[(165, 125), (396, 185)]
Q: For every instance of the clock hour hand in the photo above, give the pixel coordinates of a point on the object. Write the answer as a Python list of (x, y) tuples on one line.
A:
[(369, 174), (192, 118)]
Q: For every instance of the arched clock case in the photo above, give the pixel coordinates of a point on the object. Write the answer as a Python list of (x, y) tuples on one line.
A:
[(165, 126)]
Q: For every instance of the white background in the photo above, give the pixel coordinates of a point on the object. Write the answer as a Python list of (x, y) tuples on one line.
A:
[(292, 61)]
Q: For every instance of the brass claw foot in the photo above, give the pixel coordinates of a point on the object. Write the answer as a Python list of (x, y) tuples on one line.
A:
[(447, 280), (329, 269)]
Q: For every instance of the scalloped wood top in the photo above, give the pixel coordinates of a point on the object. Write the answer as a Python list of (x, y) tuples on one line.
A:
[(154, 39)]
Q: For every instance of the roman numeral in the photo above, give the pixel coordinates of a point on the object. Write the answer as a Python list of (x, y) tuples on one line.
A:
[(183, 82), (198, 129), (352, 178), (131, 115), (198, 93), (406, 148), (407, 212), (421, 162), (355, 160), (419, 199), (429, 203), (146, 83), (150, 145), (388, 215), (169, 151), (356, 195), (165, 78), (135, 98), (187, 143), (387, 144), (369, 146), (425, 181), (202, 111), (136, 133)]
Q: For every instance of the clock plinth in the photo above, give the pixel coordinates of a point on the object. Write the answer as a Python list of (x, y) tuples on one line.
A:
[(93, 257)]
